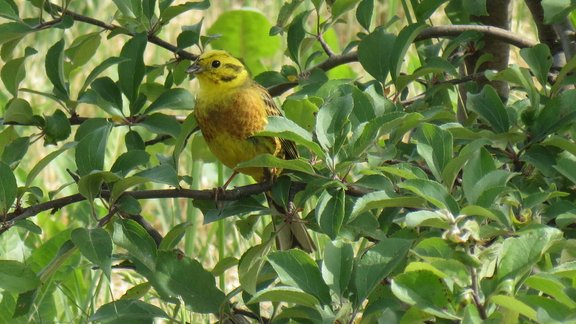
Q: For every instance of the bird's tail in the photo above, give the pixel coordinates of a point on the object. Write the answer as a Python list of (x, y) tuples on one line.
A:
[(289, 227)]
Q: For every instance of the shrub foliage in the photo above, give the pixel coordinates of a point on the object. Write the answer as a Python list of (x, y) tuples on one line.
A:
[(437, 175)]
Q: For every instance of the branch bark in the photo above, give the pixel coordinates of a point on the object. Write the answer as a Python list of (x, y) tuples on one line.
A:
[(54, 205)]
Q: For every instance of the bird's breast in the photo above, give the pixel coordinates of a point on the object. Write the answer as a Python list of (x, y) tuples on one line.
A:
[(239, 116)]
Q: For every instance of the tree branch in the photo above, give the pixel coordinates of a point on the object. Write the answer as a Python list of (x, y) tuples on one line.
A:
[(54, 205), (455, 30), (427, 33)]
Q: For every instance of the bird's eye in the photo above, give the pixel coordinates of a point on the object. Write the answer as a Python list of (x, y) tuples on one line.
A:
[(215, 64)]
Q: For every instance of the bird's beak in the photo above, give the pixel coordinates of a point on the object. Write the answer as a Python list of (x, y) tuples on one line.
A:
[(194, 68)]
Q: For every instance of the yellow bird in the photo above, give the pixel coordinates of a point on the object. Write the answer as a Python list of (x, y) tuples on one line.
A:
[(230, 109)]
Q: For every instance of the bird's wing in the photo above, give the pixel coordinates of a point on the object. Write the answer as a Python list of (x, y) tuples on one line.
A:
[(288, 147)]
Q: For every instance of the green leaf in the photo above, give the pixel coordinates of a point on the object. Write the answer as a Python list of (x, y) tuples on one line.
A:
[(330, 212), (18, 111), (426, 8), (244, 33), (284, 14), (433, 192), (110, 97), (376, 264), (128, 204), (539, 60), (515, 305), (162, 124), (566, 167), (297, 269), (14, 72), (55, 69), (287, 129), (364, 13), (398, 52), (96, 245), (251, 264), (560, 142), (167, 13), (15, 151), (129, 8), (296, 34), (133, 237), (17, 277), (90, 185), (174, 236), (8, 188), (176, 98), (134, 141), (286, 295), (99, 69), (127, 311), (556, 10), (330, 121), (337, 266), (83, 49), (339, 7), (453, 167), (179, 275), (481, 182), (302, 112), (13, 30), (189, 126), (270, 161), (435, 146), (128, 161), (489, 106), (520, 254), (122, 185), (552, 286), (223, 265), (427, 218), (164, 174), (190, 35), (434, 249), (520, 76), (240, 207), (9, 10), (381, 199), (434, 300), (374, 53), (57, 127), (131, 72), (556, 114), (92, 137)]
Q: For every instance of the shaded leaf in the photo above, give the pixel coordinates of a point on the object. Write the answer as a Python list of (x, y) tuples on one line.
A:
[(8, 188), (297, 269), (179, 275), (96, 245), (17, 277), (489, 106), (127, 311)]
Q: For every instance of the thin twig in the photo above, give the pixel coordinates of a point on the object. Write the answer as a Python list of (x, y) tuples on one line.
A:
[(325, 46), (111, 27)]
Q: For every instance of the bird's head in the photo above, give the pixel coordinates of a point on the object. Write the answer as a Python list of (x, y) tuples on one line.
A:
[(218, 70)]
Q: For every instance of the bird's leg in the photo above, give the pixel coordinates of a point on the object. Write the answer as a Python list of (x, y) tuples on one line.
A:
[(220, 190), (229, 180)]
